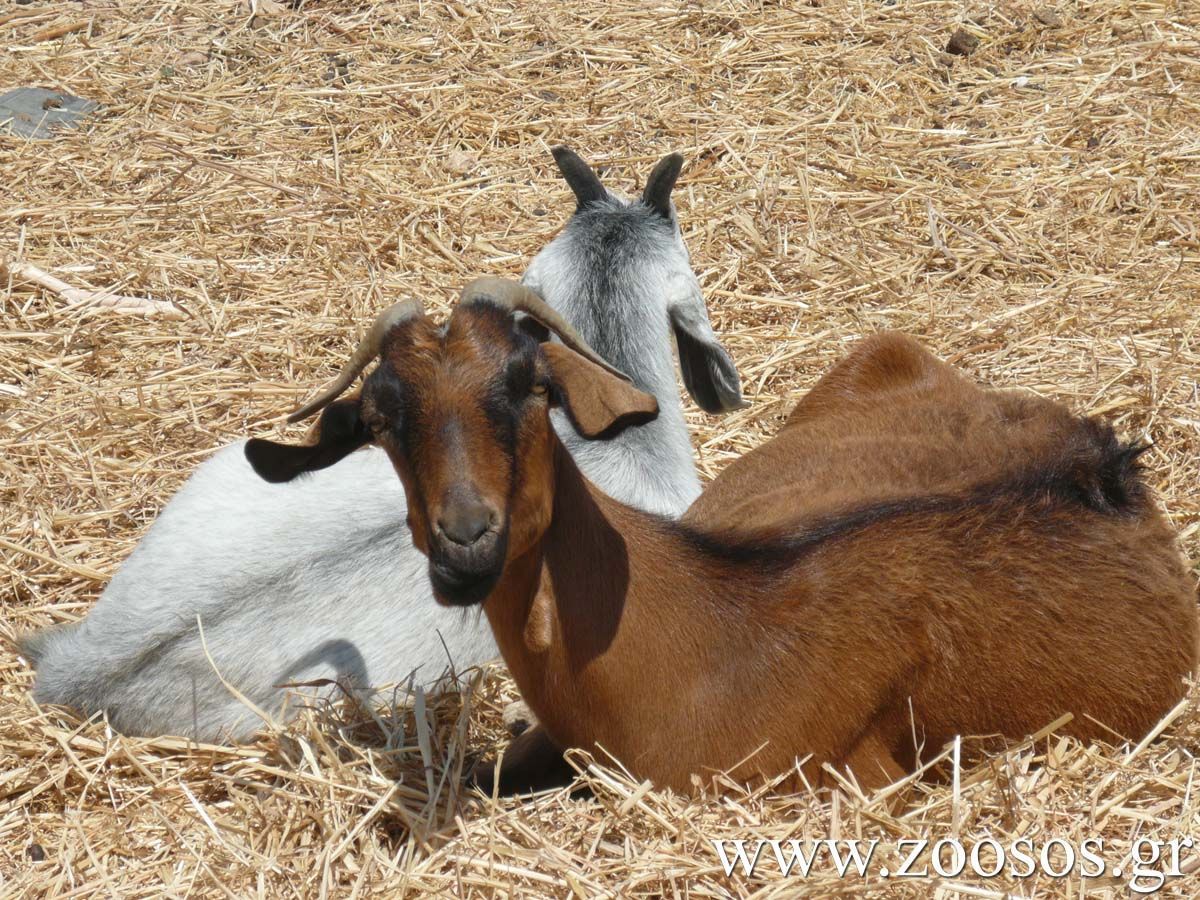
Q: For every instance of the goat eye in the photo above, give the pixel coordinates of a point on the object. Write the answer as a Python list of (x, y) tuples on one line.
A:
[(539, 389), (377, 424)]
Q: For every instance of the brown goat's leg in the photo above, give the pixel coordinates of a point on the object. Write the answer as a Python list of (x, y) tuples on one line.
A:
[(872, 763), (532, 762)]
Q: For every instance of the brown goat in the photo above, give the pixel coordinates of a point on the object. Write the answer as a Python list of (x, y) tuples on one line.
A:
[(913, 557)]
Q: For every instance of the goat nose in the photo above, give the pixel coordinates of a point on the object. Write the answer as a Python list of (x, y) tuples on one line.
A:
[(466, 523)]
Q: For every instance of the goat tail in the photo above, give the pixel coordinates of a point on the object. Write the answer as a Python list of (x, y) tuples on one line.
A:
[(1108, 475)]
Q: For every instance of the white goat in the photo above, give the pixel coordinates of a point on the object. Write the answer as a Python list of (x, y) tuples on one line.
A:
[(319, 579)]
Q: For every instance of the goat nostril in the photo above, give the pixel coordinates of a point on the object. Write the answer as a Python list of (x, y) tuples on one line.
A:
[(465, 527)]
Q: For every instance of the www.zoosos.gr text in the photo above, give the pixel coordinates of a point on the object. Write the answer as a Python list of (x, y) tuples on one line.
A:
[(1147, 865)]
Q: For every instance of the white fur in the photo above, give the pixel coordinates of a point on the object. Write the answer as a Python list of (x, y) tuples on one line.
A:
[(318, 579)]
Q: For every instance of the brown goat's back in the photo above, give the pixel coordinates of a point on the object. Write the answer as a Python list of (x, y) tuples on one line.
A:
[(892, 422), (999, 556)]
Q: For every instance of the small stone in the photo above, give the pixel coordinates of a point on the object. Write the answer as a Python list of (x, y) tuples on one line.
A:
[(1093, 142), (192, 60), (35, 852), (1048, 16), (962, 43), (459, 163)]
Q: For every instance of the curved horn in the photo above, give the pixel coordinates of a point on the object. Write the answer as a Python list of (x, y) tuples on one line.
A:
[(512, 295), (367, 350)]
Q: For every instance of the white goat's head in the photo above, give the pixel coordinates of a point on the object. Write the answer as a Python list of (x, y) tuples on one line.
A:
[(625, 260)]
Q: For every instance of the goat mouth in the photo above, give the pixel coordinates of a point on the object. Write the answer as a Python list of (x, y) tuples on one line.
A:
[(455, 587)]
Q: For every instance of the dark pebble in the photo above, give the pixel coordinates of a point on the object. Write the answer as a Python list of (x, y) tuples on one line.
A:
[(962, 43), (1048, 17)]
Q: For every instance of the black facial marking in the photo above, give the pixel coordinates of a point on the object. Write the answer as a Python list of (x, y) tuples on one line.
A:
[(519, 375), (532, 327), (387, 392), (505, 399), (389, 400)]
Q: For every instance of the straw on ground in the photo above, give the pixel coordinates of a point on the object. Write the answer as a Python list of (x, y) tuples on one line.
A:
[(1027, 209)]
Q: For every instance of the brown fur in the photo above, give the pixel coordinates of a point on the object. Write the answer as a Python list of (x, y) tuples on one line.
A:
[(913, 557)]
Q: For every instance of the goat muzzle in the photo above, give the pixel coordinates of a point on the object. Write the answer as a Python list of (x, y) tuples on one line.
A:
[(464, 574)]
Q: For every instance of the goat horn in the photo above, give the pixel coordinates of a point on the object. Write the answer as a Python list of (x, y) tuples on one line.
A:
[(367, 350), (512, 295)]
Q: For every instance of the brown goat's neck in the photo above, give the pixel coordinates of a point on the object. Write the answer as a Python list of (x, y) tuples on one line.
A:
[(611, 602)]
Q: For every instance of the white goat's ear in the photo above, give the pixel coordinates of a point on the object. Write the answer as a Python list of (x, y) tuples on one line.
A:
[(339, 432), (657, 193), (708, 371), (599, 404), (584, 183)]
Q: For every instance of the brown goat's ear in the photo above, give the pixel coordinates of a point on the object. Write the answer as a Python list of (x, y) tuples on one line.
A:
[(338, 432), (599, 404)]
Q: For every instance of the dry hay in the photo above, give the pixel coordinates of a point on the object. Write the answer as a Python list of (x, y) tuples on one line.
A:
[(1028, 210)]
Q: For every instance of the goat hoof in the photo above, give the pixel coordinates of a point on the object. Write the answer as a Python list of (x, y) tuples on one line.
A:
[(482, 776), (518, 718), (533, 762)]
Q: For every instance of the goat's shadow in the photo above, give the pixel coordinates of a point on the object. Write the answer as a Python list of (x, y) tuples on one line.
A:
[(342, 655), (349, 681), (587, 560)]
